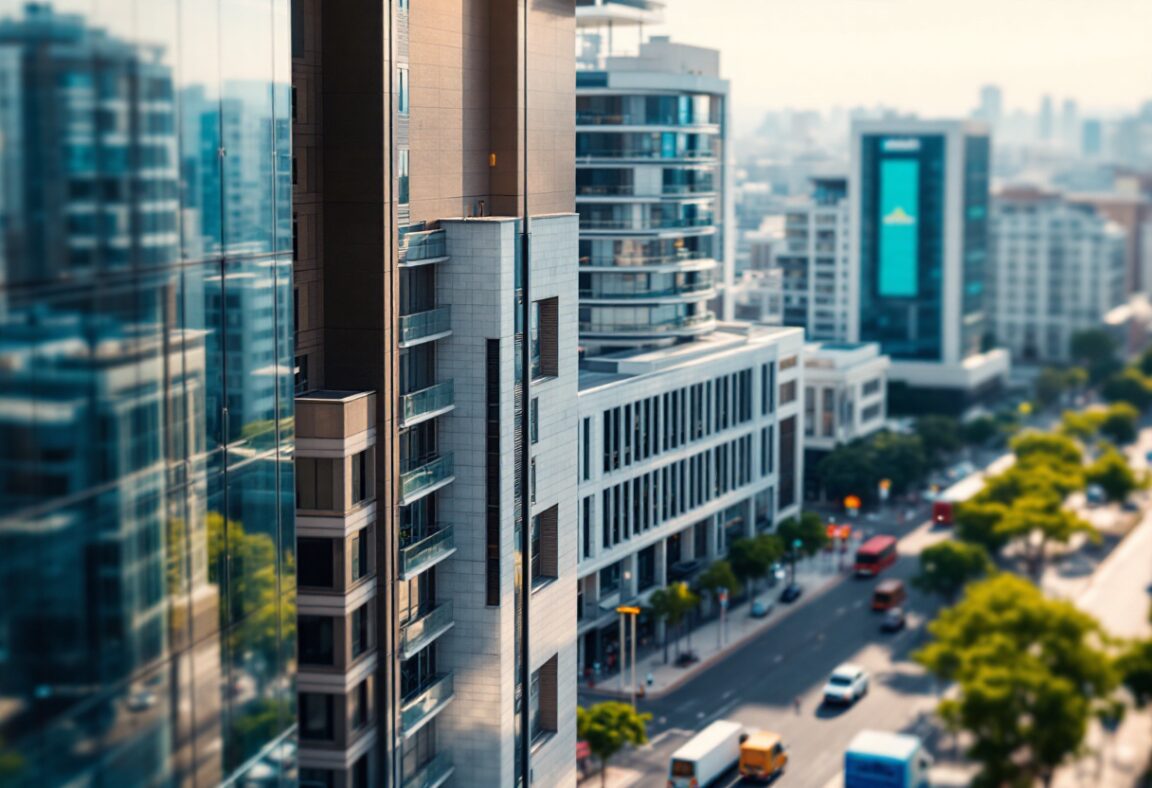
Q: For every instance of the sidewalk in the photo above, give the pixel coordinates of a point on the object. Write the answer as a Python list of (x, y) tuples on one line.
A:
[(816, 576)]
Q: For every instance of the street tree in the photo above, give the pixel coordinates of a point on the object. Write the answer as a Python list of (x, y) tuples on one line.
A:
[(1128, 386), (939, 437), (1095, 350), (719, 577), (1144, 363), (1047, 448), (752, 558), (1051, 385), (1029, 671), (849, 470), (977, 521), (608, 727), (1112, 472), (948, 566), (1120, 423), (1083, 425), (672, 605), (1035, 521), (802, 536), (1135, 666), (899, 458), (980, 431)]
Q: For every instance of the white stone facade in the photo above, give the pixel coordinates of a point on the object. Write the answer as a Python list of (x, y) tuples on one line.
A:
[(845, 393), (1058, 268), (680, 450), (478, 727)]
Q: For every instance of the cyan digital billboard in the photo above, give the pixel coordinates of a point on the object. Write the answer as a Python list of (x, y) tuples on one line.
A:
[(899, 208)]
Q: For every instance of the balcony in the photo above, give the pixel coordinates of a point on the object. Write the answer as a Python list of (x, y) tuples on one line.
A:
[(422, 706), (694, 291), (423, 248), (694, 324), (645, 225), (430, 550), (432, 774), (417, 634), (424, 404), (684, 260), (425, 326), (422, 480)]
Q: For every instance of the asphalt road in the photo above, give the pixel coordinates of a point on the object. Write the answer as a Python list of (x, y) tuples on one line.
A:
[(758, 684)]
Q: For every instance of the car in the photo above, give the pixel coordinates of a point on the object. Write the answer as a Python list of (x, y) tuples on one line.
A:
[(1130, 506), (791, 593), (761, 608), (847, 684), (894, 620), (1094, 493)]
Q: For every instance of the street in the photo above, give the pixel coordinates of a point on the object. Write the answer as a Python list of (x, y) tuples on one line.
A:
[(758, 684)]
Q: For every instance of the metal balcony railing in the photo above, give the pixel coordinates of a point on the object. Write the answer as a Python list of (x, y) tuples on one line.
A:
[(417, 634), (679, 324), (429, 400), (418, 556), (427, 475), (432, 774), (425, 704), (425, 324), (424, 245)]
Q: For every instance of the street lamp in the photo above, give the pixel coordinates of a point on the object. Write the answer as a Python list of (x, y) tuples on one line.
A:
[(634, 612)]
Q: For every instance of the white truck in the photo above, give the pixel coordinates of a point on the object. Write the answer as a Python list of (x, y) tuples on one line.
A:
[(706, 756), (879, 759)]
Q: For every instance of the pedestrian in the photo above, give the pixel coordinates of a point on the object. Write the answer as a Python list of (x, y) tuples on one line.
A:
[(796, 705)]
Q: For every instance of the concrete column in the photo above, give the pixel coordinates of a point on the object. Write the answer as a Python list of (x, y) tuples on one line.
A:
[(688, 543), (628, 570), (714, 539)]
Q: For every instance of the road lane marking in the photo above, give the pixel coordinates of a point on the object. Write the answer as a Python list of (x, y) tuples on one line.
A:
[(655, 740), (728, 694)]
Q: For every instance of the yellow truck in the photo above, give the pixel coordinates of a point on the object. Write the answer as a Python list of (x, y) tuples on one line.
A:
[(763, 756)]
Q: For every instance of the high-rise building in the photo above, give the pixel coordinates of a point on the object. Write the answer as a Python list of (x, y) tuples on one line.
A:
[(147, 538), (1092, 137), (1046, 119), (651, 185), (1058, 268), (813, 262), (991, 108), (919, 203), (436, 295)]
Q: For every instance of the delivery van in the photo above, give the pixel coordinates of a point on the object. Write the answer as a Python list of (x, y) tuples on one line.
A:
[(889, 594), (706, 756), (763, 756)]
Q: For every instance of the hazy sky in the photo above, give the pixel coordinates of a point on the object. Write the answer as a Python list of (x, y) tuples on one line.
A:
[(925, 55)]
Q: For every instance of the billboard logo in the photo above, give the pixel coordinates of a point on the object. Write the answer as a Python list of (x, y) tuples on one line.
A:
[(898, 216)]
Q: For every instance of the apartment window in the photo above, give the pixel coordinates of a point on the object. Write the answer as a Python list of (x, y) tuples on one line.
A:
[(359, 554), (317, 778), (315, 642), (361, 770), (787, 462), (543, 337), (767, 388), (587, 526), (492, 474), (787, 363), (360, 702), (809, 411), (361, 630), (402, 176), (534, 420), (869, 413), (766, 437), (317, 717), (610, 579), (542, 702), (402, 89), (532, 481), (586, 448), (314, 565), (315, 487), (787, 392), (545, 547), (871, 387), (360, 477)]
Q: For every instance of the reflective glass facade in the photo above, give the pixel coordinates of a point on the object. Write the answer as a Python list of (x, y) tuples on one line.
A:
[(147, 571)]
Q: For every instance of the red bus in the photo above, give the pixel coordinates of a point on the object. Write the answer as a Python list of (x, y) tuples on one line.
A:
[(875, 554)]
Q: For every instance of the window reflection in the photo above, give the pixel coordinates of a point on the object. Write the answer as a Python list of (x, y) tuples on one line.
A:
[(146, 525)]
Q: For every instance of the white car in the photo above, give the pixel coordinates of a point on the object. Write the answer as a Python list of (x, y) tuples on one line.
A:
[(847, 684)]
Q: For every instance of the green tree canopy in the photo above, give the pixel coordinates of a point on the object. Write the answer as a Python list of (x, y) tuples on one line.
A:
[(948, 566), (1046, 447), (1135, 665), (849, 470), (608, 727), (1112, 472), (1050, 386), (939, 437), (1028, 671), (1120, 423), (900, 458), (980, 431), (672, 605), (1036, 520), (752, 558), (977, 521), (717, 576), (1083, 425), (1128, 386), (809, 529), (1095, 350)]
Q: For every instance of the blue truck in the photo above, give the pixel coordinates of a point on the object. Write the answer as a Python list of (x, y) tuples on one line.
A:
[(878, 759)]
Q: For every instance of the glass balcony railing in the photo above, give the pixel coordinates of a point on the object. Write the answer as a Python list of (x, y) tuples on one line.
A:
[(432, 774), (425, 324), (641, 294), (430, 400), (417, 634), (620, 261), (427, 475), (644, 329), (423, 705), (646, 224), (425, 245), (418, 556)]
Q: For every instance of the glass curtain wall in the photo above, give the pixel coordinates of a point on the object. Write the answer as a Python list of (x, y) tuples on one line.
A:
[(147, 571)]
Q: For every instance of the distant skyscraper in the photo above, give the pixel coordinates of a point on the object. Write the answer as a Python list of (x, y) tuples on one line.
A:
[(1092, 137), (919, 192), (146, 522), (1046, 120), (1070, 124), (991, 107), (651, 188)]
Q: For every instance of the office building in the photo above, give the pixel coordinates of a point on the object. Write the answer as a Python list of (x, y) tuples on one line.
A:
[(651, 185), (1131, 210), (1058, 267), (845, 398), (439, 617), (682, 450), (814, 262), (146, 524), (919, 206)]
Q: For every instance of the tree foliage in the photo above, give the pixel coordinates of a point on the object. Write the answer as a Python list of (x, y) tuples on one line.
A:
[(1046, 447), (1120, 423), (1095, 350), (948, 566), (1051, 385), (608, 727), (1029, 672), (1112, 472), (980, 431), (752, 558), (808, 529), (672, 606), (1037, 520), (1135, 665), (717, 577), (1128, 386), (976, 521), (939, 437), (1083, 425)]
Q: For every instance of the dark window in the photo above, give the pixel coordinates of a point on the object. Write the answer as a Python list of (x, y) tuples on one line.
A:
[(315, 640), (586, 460), (545, 548), (359, 554), (534, 420), (316, 569), (787, 462), (361, 629), (317, 717), (360, 477), (317, 778), (360, 700), (492, 474), (544, 338), (315, 485)]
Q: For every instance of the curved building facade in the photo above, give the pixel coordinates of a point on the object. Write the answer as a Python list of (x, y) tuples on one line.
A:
[(651, 141)]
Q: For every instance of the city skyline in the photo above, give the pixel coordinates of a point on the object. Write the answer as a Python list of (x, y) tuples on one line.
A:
[(918, 56)]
